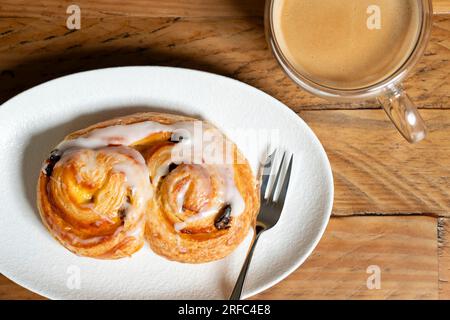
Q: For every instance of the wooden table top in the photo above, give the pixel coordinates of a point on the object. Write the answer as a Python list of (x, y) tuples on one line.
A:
[(392, 199)]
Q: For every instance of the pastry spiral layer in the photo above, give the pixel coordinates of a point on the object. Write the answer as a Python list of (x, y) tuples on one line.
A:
[(94, 201), (178, 178)]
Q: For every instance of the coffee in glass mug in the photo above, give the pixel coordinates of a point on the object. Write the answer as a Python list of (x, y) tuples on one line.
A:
[(351, 50)]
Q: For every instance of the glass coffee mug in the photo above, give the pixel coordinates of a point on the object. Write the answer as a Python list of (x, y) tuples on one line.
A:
[(353, 50)]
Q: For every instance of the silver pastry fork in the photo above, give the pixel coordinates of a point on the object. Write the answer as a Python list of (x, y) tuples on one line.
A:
[(269, 213)]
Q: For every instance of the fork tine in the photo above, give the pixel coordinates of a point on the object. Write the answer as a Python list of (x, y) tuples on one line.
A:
[(285, 185), (275, 183), (266, 170)]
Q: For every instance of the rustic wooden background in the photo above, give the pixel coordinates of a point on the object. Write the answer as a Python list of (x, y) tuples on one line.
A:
[(392, 199)]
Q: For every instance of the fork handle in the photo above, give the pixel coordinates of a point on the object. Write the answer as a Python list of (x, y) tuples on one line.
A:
[(237, 291)]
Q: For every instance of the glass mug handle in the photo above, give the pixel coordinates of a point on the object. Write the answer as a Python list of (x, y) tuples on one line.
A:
[(403, 113)]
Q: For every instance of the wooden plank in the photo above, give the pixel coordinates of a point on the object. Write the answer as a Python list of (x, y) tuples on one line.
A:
[(35, 50), (12, 291), (376, 171), (404, 248), (136, 8), (441, 6), (374, 168), (149, 8), (444, 258)]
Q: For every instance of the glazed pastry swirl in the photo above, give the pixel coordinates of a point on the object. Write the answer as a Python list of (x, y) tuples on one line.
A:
[(94, 201), (200, 212), (106, 186)]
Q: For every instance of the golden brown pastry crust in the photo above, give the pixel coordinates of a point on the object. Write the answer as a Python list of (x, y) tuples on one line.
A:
[(195, 242), (200, 241)]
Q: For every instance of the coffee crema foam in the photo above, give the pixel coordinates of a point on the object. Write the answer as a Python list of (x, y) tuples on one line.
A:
[(330, 43)]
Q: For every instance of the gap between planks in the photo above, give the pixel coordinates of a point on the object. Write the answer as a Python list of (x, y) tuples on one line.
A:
[(376, 171), (404, 249)]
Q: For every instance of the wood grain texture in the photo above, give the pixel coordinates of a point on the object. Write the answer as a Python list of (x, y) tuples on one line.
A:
[(12, 291), (444, 257), (376, 171), (404, 248), (149, 8), (134, 8), (441, 6), (35, 50)]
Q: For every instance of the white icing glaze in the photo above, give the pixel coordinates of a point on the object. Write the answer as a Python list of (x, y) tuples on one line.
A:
[(232, 195), (229, 195), (136, 179), (126, 134), (201, 215), (181, 196), (77, 240), (201, 143), (161, 171)]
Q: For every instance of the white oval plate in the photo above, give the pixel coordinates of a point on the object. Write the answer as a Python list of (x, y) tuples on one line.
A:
[(36, 120)]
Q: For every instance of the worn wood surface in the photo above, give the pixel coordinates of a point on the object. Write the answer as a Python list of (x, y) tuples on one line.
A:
[(392, 199), (404, 249), (376, 172), (35, 50), (152, 8), (12, 291), (444, 257), (441, 6)]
